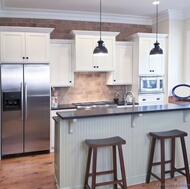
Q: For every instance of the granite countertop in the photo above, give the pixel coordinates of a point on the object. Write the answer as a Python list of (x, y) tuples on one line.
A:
[(64, 106), (71, 106), (99, 112)]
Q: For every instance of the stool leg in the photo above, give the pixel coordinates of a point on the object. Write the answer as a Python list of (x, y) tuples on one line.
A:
[(185, 161), (172, 157), (162, 164), (114, 166), (150, 160), (122, 167), (94, 168), (87, 167)]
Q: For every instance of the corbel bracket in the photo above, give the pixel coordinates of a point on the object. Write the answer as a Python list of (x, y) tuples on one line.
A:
[(72, 125), (186, 115), (134, 119)]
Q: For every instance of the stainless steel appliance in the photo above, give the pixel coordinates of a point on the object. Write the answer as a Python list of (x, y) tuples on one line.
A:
[(151, 84), (25, 92), (99, 104)]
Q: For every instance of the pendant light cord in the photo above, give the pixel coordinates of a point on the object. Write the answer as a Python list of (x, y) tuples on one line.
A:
[(156, 23), (100, 20)]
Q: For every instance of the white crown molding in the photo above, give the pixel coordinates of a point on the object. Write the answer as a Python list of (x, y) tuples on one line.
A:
[(76, 16), (172, 14), (177, 15)]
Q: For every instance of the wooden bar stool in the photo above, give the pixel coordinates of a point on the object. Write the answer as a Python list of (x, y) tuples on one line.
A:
[(172, 134), (93, 144)]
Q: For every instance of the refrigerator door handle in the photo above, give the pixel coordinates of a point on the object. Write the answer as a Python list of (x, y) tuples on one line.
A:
[(22, 100), (26, 103)]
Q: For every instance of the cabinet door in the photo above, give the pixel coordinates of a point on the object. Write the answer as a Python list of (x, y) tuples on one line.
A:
[(153, 64), (105, 63), (52, 129), (122, 75), (61, 64), (37, 47), (84, 46), (157, 61), (12, 47), (144, 57)]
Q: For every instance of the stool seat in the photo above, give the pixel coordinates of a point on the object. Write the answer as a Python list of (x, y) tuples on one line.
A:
[(162, 136), (93, 145), (168, 134), (105, 142)]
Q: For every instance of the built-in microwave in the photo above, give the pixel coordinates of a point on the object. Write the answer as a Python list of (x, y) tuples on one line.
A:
[(151, 84)]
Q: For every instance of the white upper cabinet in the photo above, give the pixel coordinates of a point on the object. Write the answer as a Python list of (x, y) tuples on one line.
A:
[(18, 46), (123, 65), (153, 64), (61, 63), (84, 44), (143, 62)]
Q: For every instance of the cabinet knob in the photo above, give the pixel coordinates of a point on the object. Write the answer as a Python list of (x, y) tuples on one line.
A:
[(158, 99), (97, 66), (114, 80), (70, 81), (94, 66), (26, 57), (23, 57), (143, 99)]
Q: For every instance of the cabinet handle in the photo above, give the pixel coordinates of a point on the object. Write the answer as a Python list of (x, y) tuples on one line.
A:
[(143, 99), (158, 99), (151, 70)]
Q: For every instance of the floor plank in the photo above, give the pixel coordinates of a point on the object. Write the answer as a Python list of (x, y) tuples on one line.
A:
[(36, 172)]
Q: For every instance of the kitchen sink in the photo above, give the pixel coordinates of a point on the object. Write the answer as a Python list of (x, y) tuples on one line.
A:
[(127, 106)]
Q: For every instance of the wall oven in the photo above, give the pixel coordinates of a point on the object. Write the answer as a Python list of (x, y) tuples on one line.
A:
[(151, 84)]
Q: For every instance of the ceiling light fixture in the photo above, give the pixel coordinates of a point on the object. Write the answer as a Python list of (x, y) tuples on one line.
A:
[(156, 50), (100, 49)]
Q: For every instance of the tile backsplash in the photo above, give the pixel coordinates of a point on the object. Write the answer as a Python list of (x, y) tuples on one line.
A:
[(88, 86)]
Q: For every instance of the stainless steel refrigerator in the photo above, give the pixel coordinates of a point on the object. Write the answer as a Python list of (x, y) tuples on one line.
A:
[(25, 94)]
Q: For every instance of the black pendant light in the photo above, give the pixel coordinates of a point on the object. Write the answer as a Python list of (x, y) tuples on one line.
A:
[(156, 50), (100, 49)]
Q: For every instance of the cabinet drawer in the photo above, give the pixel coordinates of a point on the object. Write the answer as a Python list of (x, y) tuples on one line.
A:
[(151, 99)]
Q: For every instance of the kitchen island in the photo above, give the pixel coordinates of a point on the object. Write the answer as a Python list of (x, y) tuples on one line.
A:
[(133, 124)]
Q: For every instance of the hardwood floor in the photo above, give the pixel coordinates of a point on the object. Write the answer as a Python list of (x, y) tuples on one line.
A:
[(30, 172), (36, 172)]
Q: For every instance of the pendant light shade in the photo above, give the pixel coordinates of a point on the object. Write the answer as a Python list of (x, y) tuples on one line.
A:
[(156, 50), (100, 49)]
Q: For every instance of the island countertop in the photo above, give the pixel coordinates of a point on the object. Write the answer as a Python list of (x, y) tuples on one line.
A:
[(133, 124), (99, 112)]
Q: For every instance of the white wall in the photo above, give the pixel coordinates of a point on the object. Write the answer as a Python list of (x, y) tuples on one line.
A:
[(175, 65), (187, 50), (164, 28)]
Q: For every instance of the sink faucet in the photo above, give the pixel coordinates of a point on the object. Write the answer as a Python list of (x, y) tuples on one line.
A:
[(130, 95)]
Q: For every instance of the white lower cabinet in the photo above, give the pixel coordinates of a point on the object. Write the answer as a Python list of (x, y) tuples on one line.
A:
[(52, 127), (61, 63), (151, 99), (122, 75)]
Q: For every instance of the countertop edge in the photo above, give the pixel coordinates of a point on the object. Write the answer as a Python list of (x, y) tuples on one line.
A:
[(79, 114)]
